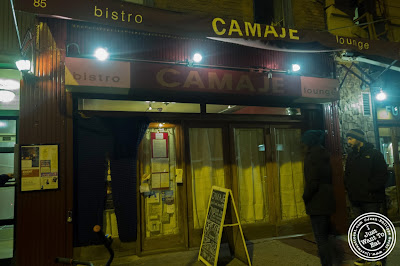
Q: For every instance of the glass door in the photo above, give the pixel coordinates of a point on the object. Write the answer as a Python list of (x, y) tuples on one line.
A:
[(8, 136), (161, 188), (389, 138)]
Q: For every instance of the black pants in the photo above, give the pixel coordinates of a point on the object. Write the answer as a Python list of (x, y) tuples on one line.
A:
[(321, 228), (359, 208)]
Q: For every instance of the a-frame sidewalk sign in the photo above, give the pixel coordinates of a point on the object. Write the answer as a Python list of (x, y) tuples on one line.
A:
[(214, 225)]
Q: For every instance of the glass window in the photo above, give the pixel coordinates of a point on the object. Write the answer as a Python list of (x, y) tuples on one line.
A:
[(250, 110), (6, 163), (7, 133), (207, 165), (137, 106), (6, 241), (290, 171), (251, 171)]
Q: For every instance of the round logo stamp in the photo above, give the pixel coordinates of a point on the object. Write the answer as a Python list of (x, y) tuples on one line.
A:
[(372, 236)]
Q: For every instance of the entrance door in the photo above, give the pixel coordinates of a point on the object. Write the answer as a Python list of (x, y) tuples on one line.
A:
[(390, 147), (162, 208)]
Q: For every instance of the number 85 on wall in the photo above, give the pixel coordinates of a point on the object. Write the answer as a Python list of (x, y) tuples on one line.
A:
[(39, 3)]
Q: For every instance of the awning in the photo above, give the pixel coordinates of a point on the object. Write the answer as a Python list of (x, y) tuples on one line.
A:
[(142, 18)]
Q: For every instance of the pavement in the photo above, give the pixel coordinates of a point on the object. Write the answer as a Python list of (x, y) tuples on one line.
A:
[(294, 250)]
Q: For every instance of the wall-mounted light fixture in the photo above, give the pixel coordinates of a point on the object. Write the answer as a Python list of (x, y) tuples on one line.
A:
[(23, 65), (381, 96)]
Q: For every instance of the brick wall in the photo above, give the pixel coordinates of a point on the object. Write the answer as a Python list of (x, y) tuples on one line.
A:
[(351, 107), (239, 9), (309, 14)]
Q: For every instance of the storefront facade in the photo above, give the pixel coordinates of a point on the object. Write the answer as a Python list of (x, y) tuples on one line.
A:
[(223, 122)]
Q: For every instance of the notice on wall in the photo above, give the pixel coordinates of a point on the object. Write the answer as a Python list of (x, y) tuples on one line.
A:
[(39, 167), (159, 165), (159, 145)]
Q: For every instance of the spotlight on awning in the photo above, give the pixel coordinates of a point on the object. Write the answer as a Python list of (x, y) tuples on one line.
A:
[(295, 67), (197, 58), (101, 54)]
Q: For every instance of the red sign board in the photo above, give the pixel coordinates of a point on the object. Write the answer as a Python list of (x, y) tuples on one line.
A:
[(184, 78)]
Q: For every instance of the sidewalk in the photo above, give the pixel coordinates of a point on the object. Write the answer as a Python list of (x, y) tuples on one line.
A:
[(298, 250)]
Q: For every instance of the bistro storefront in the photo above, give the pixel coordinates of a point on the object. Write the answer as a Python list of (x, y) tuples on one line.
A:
[(202, 132), (143, 137)]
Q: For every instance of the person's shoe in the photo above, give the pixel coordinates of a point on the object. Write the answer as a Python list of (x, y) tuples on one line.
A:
[(361, 262)]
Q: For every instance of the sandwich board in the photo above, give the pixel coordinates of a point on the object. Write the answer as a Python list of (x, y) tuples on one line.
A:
[(214, 225)]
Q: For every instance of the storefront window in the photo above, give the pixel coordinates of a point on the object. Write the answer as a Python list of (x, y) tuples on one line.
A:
[(388, 148), (158, 183), (290, 170), (207, 165), (251, 171), (250, 110), (137, 106)]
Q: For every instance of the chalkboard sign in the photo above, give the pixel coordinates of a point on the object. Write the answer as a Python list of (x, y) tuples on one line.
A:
[(213, 226)]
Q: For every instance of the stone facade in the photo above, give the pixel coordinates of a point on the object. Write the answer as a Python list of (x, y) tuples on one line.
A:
[(351, 107)]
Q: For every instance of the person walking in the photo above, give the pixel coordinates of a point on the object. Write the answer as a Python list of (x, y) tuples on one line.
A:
[(365, 177), (318, 192)]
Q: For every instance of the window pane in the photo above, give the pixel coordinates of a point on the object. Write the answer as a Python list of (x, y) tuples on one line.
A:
[(250, 110), (6, 163), (207, 164), (7, 203), (137, 106), (8, 129), (290, 170), (6, 241), (251, 170)]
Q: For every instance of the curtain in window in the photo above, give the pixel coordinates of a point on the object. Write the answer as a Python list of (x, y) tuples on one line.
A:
[(251, 172), (291, 176), (207, 164)]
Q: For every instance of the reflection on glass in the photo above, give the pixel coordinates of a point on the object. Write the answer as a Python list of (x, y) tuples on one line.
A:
[(6, 241), (251, 171), (8, 129), (207, 165), (6, 163)]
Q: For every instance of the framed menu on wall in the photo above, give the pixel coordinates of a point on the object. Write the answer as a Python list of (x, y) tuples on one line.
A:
[(39, 167)]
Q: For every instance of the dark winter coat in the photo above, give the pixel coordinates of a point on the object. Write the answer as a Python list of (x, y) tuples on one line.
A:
[(318, 190), (365, 175)]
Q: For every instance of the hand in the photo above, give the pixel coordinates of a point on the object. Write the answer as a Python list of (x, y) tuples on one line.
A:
[(11, 175)]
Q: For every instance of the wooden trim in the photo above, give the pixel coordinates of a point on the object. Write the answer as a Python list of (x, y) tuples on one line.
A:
[(69, 171)]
